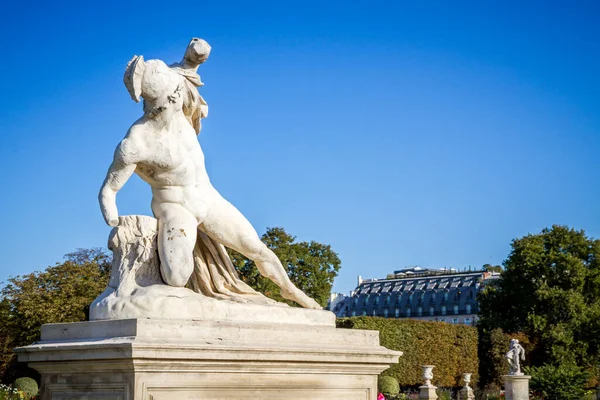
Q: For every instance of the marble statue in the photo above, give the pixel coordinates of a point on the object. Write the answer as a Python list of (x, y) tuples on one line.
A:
[(195, 223), (515, 355)]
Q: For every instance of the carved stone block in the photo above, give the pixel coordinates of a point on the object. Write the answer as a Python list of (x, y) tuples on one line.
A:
[(173, 360)]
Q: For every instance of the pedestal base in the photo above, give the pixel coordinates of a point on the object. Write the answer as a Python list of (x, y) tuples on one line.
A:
[(466, 393), (516, 387), (169, 359), (427, 393)]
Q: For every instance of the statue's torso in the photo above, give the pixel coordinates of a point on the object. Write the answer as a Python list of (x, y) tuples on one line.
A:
[(173, 164)]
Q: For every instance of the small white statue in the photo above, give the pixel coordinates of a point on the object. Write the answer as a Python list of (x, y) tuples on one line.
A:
[(162, 148), (515, 355)]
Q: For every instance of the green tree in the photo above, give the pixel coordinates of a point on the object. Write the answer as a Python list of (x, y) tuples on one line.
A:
[(61, 293), (550, 290), (311, 266)]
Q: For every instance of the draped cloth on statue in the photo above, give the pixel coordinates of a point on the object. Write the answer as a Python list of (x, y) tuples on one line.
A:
[(194, 106), (215, 276)]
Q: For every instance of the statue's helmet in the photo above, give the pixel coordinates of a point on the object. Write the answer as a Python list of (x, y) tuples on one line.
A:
[(150, 79)]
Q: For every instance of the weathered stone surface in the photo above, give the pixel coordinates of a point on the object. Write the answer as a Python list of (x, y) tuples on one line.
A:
[(516, 387), (195, 223), (427, 393), (136, 289), (169, 359)]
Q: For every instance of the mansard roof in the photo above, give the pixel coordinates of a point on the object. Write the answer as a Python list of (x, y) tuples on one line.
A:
[(418, 283)]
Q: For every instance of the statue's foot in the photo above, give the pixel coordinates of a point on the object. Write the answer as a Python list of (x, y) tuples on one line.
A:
[(301, 298)]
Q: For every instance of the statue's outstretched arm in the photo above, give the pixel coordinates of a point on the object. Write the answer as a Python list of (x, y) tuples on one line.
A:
[(119, 172)]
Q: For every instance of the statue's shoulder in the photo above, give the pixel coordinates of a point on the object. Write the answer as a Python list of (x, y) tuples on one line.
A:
[(131, 147)]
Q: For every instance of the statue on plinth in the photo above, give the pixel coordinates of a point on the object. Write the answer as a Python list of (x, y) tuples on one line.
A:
[(195, 224), (515, 355)]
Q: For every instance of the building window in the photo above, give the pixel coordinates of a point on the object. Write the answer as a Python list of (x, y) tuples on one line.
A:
[(377, 300), (457, 296), (356, 301), (445, 296), (408, 312), (385, 313), (374, 313), (432, 297), (354, 313), (442, 319), (366, 300), (455, 310), (397, 313), (387, 299), (431, 311), (443, 310), (455, 320), (470, 295), (468, 307), (365, 313), (420, 311), (468, 321)]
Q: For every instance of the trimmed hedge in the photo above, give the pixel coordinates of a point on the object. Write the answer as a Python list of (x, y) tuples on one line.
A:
[(27, 385), (451, 348), (388, 385)]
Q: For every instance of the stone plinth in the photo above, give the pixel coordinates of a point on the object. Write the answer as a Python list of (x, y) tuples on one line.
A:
[(427, 392), (466, 393), (174, 359), (516, 387)]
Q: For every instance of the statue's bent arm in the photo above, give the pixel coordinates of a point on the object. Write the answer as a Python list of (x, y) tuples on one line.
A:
[(118, 174)]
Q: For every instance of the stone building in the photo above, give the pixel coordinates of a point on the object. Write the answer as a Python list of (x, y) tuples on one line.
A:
[(418, 293)]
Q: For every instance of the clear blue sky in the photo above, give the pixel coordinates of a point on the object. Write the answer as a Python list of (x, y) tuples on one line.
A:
[(401, 133)]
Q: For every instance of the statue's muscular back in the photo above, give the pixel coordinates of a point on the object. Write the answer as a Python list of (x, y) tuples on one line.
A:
[(171, 161)]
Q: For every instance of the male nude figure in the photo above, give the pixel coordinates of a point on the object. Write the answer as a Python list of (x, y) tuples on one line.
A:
[(162, 148)]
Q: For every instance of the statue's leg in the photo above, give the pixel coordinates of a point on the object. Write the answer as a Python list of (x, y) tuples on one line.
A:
[(225, 224), (177, 230)]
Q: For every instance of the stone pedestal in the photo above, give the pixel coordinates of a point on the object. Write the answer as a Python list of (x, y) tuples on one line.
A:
[(173, 359), (427, 392), (516, 387), (466, 393)]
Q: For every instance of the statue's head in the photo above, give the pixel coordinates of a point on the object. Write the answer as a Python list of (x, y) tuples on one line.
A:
[(197, 51), (153, 81)]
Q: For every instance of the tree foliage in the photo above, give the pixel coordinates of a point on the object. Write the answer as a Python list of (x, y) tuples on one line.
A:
[(565, 382), (61, 293), (550, 290), (311, 266), (491, 268)]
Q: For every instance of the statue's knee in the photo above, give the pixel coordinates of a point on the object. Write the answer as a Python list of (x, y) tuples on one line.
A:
[(176, 280)]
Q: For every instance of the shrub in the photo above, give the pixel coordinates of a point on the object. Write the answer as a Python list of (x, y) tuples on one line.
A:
[(388, 385), (27, 385), (565, 382), (444, 394), (451, 348)]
